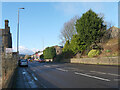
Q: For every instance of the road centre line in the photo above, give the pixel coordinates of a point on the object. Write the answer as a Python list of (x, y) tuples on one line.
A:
[(75, 69), (62, 69), (92, 76), (105, 73), (116, 79), (55, 65), (98, 72), (113, 74), (46, 66)]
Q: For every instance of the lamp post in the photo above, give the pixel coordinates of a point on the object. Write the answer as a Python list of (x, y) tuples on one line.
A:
[(18, 32)]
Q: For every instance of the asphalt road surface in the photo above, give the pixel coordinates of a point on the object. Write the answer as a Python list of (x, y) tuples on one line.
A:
[(66, 75)]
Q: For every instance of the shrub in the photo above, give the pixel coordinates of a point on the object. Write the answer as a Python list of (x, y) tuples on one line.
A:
[(90, 27), (108, 50), (49, 53), (93, 53), (42, 56)]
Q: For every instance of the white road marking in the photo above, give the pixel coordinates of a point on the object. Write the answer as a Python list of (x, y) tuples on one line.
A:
[(92, 76), (23, 72), (46, 66), (62, 69), (75, 69), (113, 74), (55, 65), (98, 72), (105, 73), (34, 77), (116, 79)]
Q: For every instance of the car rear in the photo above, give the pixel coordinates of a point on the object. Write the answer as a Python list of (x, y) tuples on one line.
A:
[(24, 62)]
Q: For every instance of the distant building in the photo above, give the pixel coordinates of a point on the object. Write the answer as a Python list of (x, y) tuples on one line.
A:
[(36, 56)]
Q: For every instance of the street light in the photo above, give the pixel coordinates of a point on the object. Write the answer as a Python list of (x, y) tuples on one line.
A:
[(18, 32)]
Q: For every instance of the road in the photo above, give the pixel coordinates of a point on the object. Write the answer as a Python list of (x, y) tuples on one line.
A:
[(66, 75)]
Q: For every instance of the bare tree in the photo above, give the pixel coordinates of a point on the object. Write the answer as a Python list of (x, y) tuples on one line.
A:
[(26, 56), (108, 24), (68, 30)]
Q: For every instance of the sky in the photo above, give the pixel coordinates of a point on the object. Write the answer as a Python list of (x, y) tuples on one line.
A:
[(41, 22)]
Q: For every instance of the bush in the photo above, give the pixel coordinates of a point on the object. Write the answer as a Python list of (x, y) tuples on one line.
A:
[(42, 56), (108, 50), (93, 53), (77, 45), (49, 53)]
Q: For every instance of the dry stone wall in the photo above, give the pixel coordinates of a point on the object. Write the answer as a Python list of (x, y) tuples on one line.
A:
[(102, 60)]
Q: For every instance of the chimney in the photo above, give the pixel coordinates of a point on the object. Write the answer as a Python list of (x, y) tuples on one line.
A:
[(6, 23)]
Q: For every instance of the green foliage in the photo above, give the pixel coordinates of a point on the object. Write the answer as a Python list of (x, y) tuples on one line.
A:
[(93, 53), (108, 50), (66, 51), (49, 53), (29, 58), (66, 47), (77, 44), (90, 27), (42, 56)]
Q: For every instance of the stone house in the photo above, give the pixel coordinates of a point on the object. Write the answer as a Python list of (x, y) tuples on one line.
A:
[(58, 49), (8, 59), (6, 36)]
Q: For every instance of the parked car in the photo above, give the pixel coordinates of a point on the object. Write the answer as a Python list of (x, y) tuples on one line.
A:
[(41, 60), (31, 60), (23, 62)]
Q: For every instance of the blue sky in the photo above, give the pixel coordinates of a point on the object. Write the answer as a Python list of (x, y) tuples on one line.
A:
[(42, 21)]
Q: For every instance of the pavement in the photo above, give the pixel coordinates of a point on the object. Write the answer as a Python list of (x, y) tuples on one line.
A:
[(66, 75)]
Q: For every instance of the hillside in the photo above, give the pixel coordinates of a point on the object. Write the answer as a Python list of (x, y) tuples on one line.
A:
[(110, 48), (109, 43)]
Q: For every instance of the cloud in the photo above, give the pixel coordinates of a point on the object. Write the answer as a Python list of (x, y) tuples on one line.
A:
[(24, 50)]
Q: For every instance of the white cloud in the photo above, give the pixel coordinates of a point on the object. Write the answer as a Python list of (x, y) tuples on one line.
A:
[(24, 50)]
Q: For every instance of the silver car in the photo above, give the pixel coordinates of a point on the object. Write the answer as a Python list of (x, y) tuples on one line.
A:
[(23, 62)]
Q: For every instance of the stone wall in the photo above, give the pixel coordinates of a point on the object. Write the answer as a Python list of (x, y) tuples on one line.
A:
[(8, 59), (9, 64), (103, 60), (0, 59)]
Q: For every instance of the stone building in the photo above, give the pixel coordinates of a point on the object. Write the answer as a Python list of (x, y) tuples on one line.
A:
[(8, 59), (58, 49), (6, 36)]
